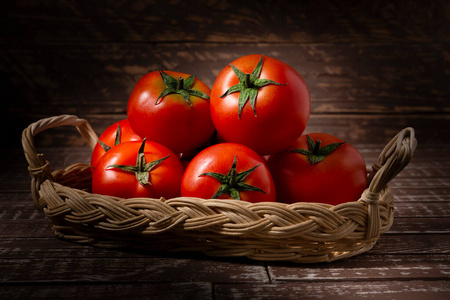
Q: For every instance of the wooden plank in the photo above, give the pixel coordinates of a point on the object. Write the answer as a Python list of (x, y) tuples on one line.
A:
[(26, 229), (357, 129), (420, 225), (422, 210), (163, 291), (421, 195), (433, 169), (368, 267), (412, 243), (343, 290), (50, 247), (25, 211), (228, 21), (148, 269), (341, 78), (425, 183)]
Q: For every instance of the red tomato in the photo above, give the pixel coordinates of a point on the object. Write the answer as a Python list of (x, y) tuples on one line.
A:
[(138, 169), (170, 111), (260, 102), (119, 132), (326, 171), (228, 171)]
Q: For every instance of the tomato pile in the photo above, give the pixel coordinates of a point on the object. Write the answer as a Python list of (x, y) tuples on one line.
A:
[(243, 139)]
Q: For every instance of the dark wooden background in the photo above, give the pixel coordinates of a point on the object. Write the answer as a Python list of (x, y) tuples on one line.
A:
[(372, 68)]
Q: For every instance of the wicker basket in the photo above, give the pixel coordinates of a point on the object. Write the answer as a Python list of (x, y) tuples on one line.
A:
[(300, 232)]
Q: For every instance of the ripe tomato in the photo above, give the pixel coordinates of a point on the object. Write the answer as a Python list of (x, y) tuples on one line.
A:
[(172, 109), (260, 102), (318, 167), (138, 169), (228, 171), (119, 132)]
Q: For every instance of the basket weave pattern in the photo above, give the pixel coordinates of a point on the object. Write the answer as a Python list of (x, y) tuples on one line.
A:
[(299, 232)]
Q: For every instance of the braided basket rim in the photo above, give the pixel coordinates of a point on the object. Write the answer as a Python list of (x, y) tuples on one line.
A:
[(300, 232)]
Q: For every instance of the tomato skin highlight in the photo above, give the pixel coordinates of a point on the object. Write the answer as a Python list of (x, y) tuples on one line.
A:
[(165, 178), (172, 122), (109, 136), (340, 177), (282, 111), (219, 158)]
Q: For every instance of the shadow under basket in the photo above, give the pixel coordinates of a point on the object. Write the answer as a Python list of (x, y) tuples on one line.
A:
[(299, 232)]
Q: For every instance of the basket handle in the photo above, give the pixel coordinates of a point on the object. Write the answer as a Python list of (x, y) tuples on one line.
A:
[(39, 167), (393, 159)]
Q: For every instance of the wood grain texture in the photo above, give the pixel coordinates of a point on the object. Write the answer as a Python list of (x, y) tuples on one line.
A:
[(229, 20), (342, 78), (369, 267), (372, 68), (156, 291), (417, 289), (146, 269), (387, 81)]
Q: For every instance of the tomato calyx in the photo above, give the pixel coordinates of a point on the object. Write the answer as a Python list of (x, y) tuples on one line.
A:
[(180, 86), (316, 152), (116, 141), (142, 169), (248, 86), (233, 182)]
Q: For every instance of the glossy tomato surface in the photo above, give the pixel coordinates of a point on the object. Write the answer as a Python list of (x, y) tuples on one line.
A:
[(170, 120), (280, 113), (109, 138), (164, 178), (340, 177), (219, 159)]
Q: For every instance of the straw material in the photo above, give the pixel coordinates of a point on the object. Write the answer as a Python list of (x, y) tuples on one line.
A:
[(299, 232)]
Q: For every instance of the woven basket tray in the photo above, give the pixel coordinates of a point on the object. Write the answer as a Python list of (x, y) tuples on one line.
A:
[(300, 232)]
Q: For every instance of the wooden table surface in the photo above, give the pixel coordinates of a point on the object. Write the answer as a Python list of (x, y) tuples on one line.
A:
[(372, 68)]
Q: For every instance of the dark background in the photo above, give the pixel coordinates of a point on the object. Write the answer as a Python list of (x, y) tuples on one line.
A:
[(372, 67)]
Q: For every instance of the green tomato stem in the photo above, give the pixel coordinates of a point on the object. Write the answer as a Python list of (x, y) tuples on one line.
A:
[(317, 147), (247, 81), (180, 84)]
